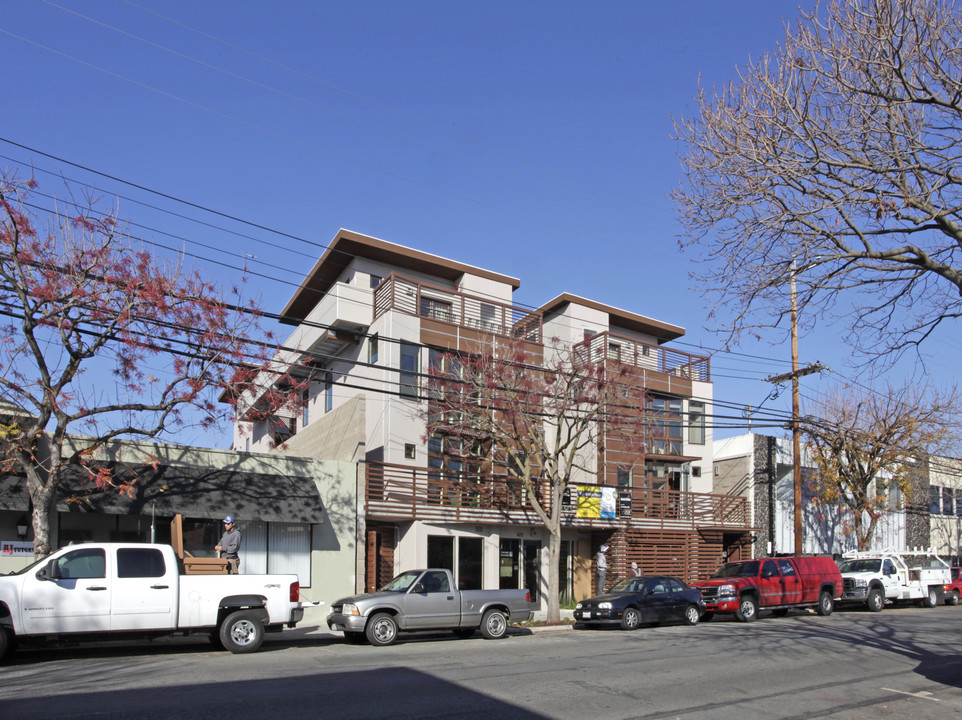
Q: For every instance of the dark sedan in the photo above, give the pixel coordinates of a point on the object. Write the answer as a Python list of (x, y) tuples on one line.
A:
[(633, 601)]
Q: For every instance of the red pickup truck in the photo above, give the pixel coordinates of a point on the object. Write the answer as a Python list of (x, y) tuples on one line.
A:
[(775, 584), (954, 589)]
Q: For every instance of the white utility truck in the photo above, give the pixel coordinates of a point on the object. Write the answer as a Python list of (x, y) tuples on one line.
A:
[(874, 578), (101, 591)]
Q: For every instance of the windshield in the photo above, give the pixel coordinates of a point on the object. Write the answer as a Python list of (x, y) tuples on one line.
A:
[(741, 569), (632, 584), (869, 565), (402, 582)]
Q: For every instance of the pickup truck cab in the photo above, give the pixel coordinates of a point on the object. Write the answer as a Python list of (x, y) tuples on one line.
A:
[(102, 591), (777, 584), (876, 578), (427, 600)]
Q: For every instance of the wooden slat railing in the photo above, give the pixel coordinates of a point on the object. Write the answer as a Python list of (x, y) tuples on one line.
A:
[(402, 492)]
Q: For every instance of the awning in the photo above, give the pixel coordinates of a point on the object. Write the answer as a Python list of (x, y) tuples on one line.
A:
[(192, 491)]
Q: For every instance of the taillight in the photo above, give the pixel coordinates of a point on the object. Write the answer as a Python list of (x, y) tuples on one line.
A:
[(295, 591), (527, 596)]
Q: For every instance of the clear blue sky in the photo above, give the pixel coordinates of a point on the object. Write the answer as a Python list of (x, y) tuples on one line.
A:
[(530, 138)]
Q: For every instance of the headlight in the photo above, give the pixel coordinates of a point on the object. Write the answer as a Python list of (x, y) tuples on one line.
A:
[(604, 606), (578, 606), (861, 582), (350, 609), (726, 590)]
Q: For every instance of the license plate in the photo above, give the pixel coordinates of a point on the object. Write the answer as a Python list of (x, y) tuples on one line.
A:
[(586, 615)]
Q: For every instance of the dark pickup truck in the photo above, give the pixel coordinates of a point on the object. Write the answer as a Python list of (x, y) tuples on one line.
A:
[(777, 584)]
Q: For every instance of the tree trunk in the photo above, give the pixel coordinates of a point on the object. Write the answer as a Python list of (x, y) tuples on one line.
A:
[(41, 500), (554, 591)]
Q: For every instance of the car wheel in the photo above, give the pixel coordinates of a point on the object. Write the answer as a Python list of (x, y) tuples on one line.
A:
[(952, 598), (747, 609), (631, 619), (932, 599), (381, 630), (875, 600), (691, 615), (826, 604), (494, 624), (354, 638), (242, 632)]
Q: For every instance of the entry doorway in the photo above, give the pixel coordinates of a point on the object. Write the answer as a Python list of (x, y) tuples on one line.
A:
[(520, 566)]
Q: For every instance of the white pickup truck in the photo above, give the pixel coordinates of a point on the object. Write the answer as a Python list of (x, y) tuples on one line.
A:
[(97, 591), (874, 578)]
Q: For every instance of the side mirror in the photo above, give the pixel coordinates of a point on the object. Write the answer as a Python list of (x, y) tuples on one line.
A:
[(50, 571), (418, 588)]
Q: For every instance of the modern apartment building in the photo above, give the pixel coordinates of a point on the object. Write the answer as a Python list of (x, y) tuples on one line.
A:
[(372, 317)]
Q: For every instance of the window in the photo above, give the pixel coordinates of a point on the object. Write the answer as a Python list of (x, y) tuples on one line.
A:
[(614, 351), (696, 422), (328, 391), (489, 318), (469, 563), (935, 500), (624, 477), (83, 564), (375, 281), (786, 567), (947, 501), (769, 569), (409, 451), (140, 563), (436, 309), (696, 471), (441, 552), (409, 370), (665, 425), (306, 409), (372, 350)]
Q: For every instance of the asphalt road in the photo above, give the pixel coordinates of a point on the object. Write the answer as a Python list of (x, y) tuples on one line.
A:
[(903, 663)]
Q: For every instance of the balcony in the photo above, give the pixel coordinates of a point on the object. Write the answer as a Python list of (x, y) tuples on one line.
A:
[(399, 492), (451, 313), (674, 370)]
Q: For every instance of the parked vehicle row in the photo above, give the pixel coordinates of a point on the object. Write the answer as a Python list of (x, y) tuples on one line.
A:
[(744, 588)]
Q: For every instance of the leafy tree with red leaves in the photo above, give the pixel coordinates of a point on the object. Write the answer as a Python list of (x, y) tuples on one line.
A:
[(81, 301), (541, 422)]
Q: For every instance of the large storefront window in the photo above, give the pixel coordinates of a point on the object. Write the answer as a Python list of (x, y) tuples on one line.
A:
[(277, 547), (443, 549)]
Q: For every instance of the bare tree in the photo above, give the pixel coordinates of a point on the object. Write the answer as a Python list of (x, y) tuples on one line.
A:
[(100, 343), (539, 421), (868, 450), (837, 159)]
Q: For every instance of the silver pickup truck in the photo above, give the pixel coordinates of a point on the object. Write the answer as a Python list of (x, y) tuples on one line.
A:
[(427, 600)]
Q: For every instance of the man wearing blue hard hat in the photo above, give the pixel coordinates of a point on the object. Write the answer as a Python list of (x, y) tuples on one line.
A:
[(229, 545)]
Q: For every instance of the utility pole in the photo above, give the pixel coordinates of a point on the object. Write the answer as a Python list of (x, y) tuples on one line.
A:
[(795, 374), (796, 433)]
